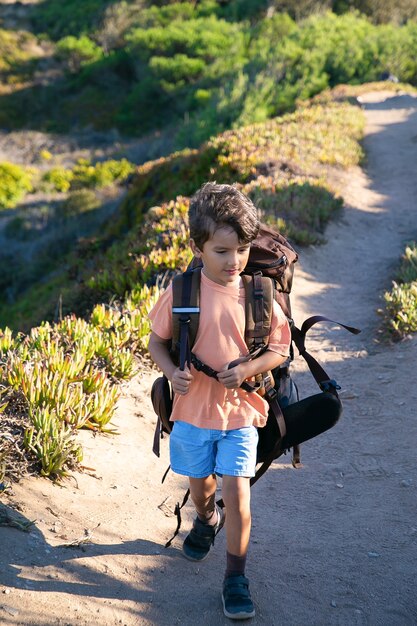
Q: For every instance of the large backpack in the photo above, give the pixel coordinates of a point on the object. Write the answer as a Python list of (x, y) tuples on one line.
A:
[(268, 275)]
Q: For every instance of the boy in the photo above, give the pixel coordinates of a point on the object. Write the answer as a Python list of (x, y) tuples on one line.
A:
[(215, 420)]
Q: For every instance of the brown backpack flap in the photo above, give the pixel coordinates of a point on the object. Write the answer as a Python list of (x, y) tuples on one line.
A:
[(274, 256), (162, 398)]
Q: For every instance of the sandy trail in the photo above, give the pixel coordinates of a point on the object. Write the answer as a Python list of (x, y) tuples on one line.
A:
[(334, 543)]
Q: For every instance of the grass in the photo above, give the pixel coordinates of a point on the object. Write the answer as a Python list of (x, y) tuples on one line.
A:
[(400, 311)]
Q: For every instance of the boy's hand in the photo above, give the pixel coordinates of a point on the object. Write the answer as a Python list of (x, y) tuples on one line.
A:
[(181, 381), (233, 377)]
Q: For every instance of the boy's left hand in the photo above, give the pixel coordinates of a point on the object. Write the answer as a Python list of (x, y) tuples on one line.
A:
[(233, 377)]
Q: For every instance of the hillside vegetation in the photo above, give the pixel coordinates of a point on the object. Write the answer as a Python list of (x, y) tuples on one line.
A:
[(195, 68), (183, 74), (283, 164)]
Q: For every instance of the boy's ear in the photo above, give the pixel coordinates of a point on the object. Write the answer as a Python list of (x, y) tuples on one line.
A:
[(194, 249)]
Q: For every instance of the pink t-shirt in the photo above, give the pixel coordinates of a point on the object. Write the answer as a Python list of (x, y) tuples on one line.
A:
[(220, 340)]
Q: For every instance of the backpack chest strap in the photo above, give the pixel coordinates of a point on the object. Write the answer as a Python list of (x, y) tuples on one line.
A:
[(209, 371)]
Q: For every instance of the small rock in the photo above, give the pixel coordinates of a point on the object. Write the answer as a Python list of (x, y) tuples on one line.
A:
[(406, 482), (10, 610)]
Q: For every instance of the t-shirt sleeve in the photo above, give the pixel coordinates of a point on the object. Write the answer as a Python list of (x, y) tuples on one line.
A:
[(161, 315), (280, 337)]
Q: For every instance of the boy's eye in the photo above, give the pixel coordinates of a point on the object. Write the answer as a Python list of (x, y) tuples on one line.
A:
[(240, 251)]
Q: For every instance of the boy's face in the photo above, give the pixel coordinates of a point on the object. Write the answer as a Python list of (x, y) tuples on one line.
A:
[(224, 257)]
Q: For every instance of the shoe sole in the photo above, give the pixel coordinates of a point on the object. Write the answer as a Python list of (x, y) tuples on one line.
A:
[(241, 615), (191, 558)]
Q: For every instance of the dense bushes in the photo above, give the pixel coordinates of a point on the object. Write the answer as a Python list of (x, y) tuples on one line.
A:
[(15, 183), (206, 74), (173, 61), (196, 69)]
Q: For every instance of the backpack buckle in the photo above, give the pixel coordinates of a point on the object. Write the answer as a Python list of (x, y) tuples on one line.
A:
[(329, 385), (271, 393), (186, 309)]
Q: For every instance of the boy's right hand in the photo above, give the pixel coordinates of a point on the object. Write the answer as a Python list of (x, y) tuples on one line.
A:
[(181, 381)]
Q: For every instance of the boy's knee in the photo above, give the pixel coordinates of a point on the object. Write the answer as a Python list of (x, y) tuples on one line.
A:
[(236, 491), (202, 489)]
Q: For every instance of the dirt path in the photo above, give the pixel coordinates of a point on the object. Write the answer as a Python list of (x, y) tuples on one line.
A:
[(334, 543)]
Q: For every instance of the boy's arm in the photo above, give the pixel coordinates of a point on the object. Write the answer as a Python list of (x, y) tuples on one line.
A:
[(159, 351), (235, 376)]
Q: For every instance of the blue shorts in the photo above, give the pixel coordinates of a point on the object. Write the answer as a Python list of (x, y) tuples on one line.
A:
[(199, 452)]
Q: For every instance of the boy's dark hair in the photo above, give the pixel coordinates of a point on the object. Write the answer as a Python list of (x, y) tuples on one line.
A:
[(214, 206)]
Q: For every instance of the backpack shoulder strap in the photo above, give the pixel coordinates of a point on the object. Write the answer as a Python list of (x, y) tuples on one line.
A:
[(259, 292), (185, 313)]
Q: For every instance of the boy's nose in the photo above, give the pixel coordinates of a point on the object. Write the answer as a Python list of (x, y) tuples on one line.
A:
[(233, 259)]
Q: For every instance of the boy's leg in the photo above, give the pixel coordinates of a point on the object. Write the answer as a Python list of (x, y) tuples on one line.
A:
[(236, 497), (193, 453), (203, 494), (237, 602), (209, 520)]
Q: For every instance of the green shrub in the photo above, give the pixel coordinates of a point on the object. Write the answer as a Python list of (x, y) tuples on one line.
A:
[(175, 60), (100, 175), (59, 178), (400, 313), (401, 310), (397, 51), (15, 183), (78, 52), (52, 442), (407, 272), (176, 71), (86, 175)]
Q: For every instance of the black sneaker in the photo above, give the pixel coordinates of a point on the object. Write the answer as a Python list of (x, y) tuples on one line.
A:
[(198, 542), (237, 603)]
